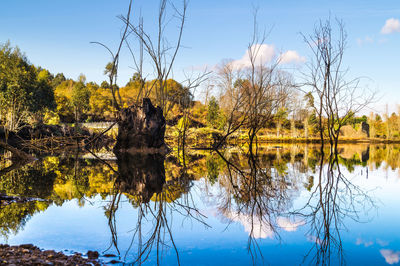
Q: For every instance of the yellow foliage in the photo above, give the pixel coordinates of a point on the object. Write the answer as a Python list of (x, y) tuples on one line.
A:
[(51, 118)]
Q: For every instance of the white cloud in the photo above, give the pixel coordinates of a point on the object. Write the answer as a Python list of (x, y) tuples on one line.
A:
[(264, 53), (365, 40), (291, 56), (391, 257), (381, 41), (392, 25)]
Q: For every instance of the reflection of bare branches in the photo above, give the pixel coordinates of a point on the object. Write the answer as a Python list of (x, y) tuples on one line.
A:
[(333, 199), (110, 213), (260, 194), (156, 201)]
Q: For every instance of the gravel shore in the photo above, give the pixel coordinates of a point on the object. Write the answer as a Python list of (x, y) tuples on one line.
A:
[(29, 254)]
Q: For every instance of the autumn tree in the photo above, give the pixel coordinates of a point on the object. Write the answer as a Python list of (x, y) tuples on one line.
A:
[(24, 91), (100, 103)]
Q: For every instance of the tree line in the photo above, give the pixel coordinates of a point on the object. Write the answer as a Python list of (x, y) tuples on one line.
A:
[(257, 98), (30, 94)]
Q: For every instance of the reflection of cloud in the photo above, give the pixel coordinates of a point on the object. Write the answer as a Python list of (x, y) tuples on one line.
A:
[(366, 244), (287, 225), (259, 228), (314, 239), (382, 243), (392, 25), (254, 227), (390, 256)]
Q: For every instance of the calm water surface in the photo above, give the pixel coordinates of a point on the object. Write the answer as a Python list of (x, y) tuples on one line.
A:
[(288, 206)]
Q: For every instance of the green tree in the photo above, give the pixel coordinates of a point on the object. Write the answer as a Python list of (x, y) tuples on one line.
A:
[(80, 98), (43, 96), (213, 114), (58, 79)]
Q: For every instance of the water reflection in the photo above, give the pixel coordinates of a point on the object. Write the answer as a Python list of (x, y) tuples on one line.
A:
[(140, 176), (256, 194), (257, 191), (142, 179), (333, 198)]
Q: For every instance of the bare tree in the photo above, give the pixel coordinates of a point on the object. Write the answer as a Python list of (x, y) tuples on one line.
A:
[(111, 69), (232, 99), (160, 51), (254, 91), (333, 96)]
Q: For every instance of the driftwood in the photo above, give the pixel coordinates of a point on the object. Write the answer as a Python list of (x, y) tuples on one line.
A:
[(52, 138)]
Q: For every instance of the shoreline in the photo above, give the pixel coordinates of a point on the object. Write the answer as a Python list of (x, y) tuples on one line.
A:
[(28, 254)]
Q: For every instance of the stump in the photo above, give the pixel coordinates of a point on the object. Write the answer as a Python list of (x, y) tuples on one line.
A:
[(365, 128), (141, 129)]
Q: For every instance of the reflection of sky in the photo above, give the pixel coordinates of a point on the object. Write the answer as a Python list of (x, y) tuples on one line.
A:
[(373, 242), (260, 228), (391, 257)]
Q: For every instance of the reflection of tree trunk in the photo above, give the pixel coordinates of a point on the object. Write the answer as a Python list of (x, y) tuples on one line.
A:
[(306, 128), (141, 175), (305, 159), (293, 152), (365, 155), (293, 126)]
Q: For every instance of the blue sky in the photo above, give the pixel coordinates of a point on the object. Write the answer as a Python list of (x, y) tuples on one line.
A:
[(57, 34)]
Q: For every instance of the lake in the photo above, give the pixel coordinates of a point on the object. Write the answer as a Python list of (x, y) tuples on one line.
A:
[(290, 205)]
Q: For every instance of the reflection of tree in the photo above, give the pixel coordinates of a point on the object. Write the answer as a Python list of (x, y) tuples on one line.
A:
[(141, 175), (53, 180), (260, 195), (14, 216), (27, 181), (333, 198), (142, 179)]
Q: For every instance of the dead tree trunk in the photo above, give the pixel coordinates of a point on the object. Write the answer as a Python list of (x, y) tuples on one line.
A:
[(141, 129)]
